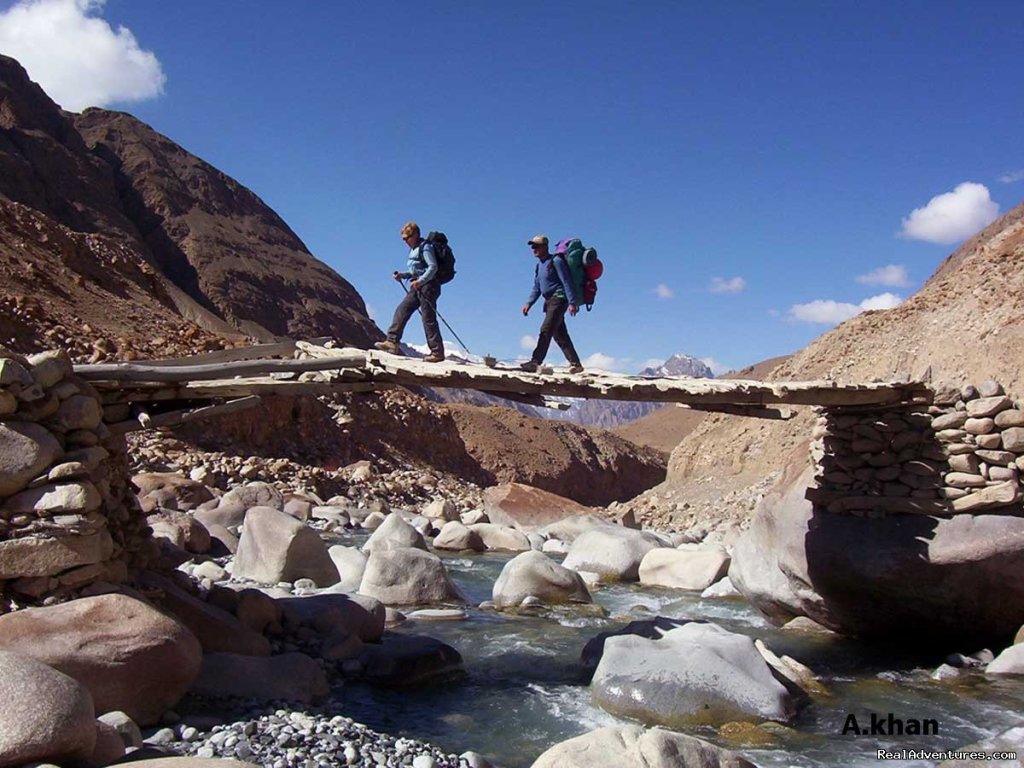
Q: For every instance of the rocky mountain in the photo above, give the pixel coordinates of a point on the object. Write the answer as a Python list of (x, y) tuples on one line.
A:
[(965, 325), (680, 365), (609, 414), (140, 240)]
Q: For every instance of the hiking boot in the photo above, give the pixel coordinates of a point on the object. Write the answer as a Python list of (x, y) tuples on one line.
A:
[(388, 346), (530, 365), (576, 368), (433, 358)]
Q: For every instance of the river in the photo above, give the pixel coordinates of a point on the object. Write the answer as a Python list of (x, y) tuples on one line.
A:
[(525, 689)]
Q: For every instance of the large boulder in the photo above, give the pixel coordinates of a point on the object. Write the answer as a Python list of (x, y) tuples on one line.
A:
[(613, 553), (276, 547), (455, 536), (45, 715), (534, 574), (693, 569), (624, 746), (527, 508), (216, 629), (331, 613), (394, 533), (570, 528), (408, 577), (408, 660), (1009, 662), (288, 676), (254, 495), (955, 579), (695, 674), (501, 538), (130, 656)]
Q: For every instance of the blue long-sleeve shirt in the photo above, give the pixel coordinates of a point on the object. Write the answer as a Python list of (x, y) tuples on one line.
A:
[(422, 264), (548, 282)]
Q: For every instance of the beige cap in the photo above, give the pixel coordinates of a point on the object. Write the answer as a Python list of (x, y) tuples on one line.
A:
[(538, 240)]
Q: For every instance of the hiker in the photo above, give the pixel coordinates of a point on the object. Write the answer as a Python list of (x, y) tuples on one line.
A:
[(424, 290), (552, 280)]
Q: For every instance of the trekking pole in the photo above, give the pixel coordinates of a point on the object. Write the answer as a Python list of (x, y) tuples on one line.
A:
[(439, 317)]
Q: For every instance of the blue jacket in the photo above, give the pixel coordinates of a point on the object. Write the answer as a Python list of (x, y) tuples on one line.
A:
[(422, 265), (552, 278)]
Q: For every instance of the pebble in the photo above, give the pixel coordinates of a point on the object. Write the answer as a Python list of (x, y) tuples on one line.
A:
[(304, 739)]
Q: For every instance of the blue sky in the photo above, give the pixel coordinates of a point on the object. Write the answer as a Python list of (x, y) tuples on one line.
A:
[(751, 172)]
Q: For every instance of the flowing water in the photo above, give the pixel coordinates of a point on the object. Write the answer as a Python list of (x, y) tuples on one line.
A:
[(525, 689)]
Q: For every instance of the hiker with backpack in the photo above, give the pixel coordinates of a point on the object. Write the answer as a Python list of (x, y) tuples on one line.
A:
[(553, 281), (427, 272)]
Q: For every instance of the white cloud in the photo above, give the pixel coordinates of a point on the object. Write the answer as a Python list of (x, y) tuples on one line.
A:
[(77, 58), (1012, 177), (831, 312), (715, 366), (528, 343), (662, 291), (952, 216), (732, 285), (371, 312), (894, 275), (652, 362), (602, 361)]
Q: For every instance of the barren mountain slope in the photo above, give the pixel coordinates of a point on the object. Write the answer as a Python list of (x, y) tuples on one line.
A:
[(219, 242), (966, 324), (666, 427), (122, 199)]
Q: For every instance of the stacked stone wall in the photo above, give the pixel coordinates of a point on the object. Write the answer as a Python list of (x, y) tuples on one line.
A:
[(962, 453), (68, 516)]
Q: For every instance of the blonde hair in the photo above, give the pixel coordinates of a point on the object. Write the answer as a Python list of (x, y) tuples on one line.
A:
[(410, 228)]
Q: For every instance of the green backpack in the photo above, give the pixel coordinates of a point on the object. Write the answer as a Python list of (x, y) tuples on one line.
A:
[(584, 266)]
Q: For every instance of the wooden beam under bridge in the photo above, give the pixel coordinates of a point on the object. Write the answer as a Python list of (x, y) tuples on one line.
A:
[(327, 370)]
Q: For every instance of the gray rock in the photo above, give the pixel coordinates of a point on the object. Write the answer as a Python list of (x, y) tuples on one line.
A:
[(988, 406), (456, 537), (125, 727), (696, 674), (501, 538), (394, 533), (534, 574), (614, 553), (254, 495), (45, 715), (276, 547), (1009, 662), (26, 450), (408, 660), (692, 569), (408, 577), (624, 746), (351, 563)]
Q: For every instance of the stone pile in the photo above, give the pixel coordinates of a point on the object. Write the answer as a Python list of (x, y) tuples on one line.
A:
[(67, 514), (964, 453)]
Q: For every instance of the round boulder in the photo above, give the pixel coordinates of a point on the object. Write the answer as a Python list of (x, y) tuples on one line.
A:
[(634, 745), (276, 547), (45, 716), (534, 574), (696, 674), (614, 553), (408, 577), (130, 656)]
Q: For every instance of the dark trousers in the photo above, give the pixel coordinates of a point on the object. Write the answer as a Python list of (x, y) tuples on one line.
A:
[(553, 327), (424, 299)]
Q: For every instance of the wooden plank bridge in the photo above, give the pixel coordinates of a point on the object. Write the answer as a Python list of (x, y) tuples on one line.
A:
[(232, 380)]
